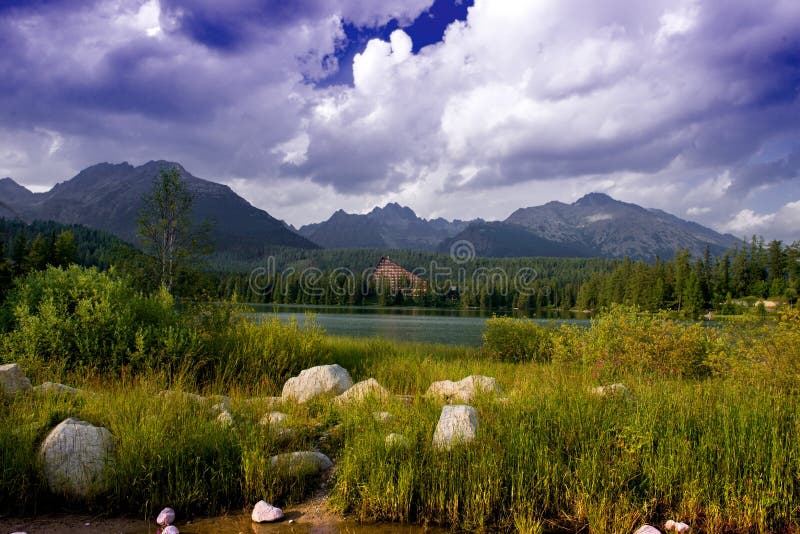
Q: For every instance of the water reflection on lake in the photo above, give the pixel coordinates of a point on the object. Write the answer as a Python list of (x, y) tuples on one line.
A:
[(430, 325)]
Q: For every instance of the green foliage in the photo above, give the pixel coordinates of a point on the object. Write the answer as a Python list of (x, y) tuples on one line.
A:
[(77, 317), (624, 340), (549, 453), (517, 340), (771, 362), (165, 228)]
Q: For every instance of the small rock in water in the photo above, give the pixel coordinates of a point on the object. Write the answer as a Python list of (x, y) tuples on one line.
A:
[(171, 529), (166, 517), (266, 513), (647, 529)]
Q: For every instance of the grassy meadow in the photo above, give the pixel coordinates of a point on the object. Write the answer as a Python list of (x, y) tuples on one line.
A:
[(707, 434)]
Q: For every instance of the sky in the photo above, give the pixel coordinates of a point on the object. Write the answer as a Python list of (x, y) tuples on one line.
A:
[(455, 108)]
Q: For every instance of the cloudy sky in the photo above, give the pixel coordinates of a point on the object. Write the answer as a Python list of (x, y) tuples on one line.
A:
[(454, 108)]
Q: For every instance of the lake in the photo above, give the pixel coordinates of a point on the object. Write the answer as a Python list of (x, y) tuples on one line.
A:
[(429, 325)]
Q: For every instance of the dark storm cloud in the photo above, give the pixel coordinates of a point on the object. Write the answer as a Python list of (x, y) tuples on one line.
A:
[(755, 175), (522, 92)]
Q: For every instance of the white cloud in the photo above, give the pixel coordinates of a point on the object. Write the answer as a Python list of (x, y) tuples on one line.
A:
[(783, 224), (525, 102), (697, 210)]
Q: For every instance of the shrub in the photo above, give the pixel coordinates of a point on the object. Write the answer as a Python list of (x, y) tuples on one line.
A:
[(623, 340), (77, 318), (517, 340), (82, 319), (773, 361)]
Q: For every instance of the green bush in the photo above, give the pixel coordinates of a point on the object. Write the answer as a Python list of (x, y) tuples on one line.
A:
[(81, 318), (75, 319), (623, 340), (517, 340), (773, 361)]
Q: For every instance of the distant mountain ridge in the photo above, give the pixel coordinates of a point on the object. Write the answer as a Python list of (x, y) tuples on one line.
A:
[(610, 228), (392, 226), (108, 197), (594, 225)]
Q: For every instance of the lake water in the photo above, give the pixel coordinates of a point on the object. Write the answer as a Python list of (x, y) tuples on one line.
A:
[(429, 325)]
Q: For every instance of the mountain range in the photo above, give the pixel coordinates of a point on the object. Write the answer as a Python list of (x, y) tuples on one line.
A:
[(108, 197), (392, 226)]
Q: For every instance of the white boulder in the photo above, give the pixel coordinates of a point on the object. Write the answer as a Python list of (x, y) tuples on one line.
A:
[(465, 390), (76, 456), (457, 424), (647, 529), (301, 462), (166, 517), (266, 513), (13, 380), (363, 390), (320, 380)]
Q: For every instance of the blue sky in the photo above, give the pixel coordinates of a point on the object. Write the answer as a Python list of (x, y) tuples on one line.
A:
[(456, 109)]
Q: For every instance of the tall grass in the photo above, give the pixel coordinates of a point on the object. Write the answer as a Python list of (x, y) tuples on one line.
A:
[(716, 454), (708, 434)]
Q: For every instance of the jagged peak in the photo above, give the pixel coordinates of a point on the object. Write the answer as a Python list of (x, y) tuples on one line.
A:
[(393, 208), (595, 198)]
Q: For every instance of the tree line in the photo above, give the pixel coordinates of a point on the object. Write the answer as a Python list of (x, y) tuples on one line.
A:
[(694, 285), (177, 256)]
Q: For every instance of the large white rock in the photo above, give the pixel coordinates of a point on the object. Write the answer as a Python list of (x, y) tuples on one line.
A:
[(301, 462), (76, 456), (320, 380), (647, 529), (363, 390), (13, 380), (457, 424), (266, 513), (465, 390)]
